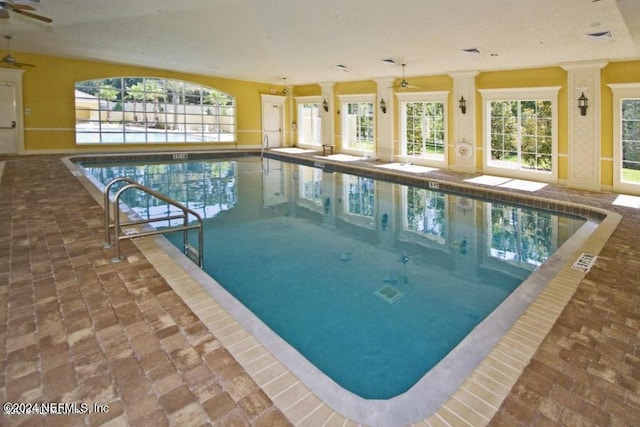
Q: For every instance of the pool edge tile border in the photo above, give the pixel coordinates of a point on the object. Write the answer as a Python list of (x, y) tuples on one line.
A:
[(463, 406)]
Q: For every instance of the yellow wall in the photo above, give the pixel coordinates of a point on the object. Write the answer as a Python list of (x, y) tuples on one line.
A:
[(48, 92), (535, 77), (427, 84), (307, 90)]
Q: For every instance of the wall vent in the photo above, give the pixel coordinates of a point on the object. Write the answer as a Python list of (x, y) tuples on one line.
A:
[(600, 36)]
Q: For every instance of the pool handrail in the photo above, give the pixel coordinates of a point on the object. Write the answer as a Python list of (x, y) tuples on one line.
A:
[(188, 250)]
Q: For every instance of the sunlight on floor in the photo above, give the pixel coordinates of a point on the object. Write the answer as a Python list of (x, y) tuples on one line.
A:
[(514, 184), (519, 184), (407, 167), (628, 201), (342, 157), (293, 150)]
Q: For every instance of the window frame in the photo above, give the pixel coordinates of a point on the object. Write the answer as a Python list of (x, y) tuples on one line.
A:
[(491, 255), (367, 198), (621, 91), (307, 100), (429, 234), (112, 115), (357, 99), (546, 93), (310, 177), (435, 97)]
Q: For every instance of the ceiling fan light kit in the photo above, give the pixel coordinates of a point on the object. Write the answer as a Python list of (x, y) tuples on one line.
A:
[(404, 84), (21, 9), (10, 59)]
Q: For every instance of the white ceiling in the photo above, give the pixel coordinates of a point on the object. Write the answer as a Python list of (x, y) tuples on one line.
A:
[(302, 40)]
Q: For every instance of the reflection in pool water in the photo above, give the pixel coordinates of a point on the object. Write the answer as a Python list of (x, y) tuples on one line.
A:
[(373, 282)]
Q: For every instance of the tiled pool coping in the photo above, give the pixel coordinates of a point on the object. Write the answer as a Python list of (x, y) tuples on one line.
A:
[(482, 389)]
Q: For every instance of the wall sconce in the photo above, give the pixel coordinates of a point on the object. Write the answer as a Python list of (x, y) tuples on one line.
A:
[(325, 105), (384, 222), (462, 103), (383, 106), (583, 103)]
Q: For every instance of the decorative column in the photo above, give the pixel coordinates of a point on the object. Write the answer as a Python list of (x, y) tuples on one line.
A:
[(384, 132), (328, 117), (462, 146), (583, 153)]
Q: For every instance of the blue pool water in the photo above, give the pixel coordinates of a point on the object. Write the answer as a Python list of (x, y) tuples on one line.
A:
[(372, 282)]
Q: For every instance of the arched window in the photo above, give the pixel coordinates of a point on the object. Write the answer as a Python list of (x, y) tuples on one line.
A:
[(122, 110)]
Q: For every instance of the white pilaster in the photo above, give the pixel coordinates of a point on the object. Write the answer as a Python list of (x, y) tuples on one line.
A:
[(328, 117), (583, 155), (384, 132), (463, 142)]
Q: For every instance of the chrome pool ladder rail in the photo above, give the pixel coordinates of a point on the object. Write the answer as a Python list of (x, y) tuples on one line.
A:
[(192, 253)]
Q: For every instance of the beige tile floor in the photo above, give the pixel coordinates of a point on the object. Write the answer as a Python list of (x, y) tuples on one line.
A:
[(191, 361)]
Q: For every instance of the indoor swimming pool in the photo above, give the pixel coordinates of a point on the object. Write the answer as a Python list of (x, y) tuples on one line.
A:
[(372, 282)]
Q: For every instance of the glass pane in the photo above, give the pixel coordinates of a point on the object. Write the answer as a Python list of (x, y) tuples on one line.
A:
[(630, 130), (521, 134), (309, 124), (139, 110), (424, 129), (358, 126)]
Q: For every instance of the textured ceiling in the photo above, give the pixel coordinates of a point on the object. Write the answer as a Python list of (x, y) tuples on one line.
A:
[(302, 40)]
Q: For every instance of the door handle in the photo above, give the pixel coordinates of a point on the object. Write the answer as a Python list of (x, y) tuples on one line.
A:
[(13, 124)]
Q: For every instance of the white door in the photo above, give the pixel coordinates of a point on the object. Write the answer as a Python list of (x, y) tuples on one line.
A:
[(8, 130), (272, 120)]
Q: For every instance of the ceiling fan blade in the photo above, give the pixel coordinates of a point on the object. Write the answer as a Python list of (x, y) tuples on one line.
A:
[(33, 15), (22, 64), (21, 7)]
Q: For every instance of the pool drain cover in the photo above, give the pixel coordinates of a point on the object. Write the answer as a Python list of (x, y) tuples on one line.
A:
[(584, 263), (389, 294)]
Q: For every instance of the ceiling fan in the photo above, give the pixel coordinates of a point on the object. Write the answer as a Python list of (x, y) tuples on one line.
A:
[(10, 59), (404, 84), (22, 9)]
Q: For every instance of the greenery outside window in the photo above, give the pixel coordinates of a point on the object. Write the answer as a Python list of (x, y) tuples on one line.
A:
[(360, 196), (423, 127), (426, 213), (151, 110), (309, 122), (310, 180), (209, 188), (626, 137), (521, 236), (358, 123), (520, 132)]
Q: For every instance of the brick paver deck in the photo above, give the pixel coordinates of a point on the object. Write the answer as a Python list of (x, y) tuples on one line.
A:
[(75, 327)]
